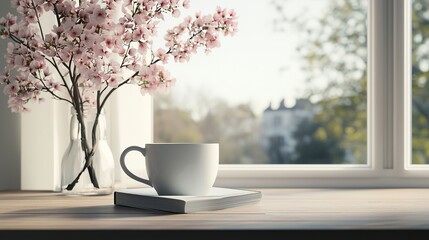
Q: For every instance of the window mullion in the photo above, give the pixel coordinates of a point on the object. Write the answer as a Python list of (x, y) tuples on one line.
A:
[(380, 84), (402, 84)]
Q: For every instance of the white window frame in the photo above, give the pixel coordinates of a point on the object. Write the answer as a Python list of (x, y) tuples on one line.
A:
[(389, 119), (389, 125)]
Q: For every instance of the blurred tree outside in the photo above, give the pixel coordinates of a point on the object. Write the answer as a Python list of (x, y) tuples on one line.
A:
[(174, 124), (420, 86), (235, 128), (337, 48), (333, 50)]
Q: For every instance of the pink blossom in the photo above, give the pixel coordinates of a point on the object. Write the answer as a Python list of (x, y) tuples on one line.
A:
[(119, 30), (97, 80), (142, 47), (50, 52), (31, 17), (75, 31), (49, 38), (3, 21), (19, 61), (164, 3), (149, 4), (232, 13), (176, 13), (139, 19), (96, 47), (66, 7), (162, 55), (10, 20), (36, 65), (46, 72), (77, 52), (212, 41), (132, 52), (127, 37), (49, 83), (38, 2), (14, 29), (120, 51), (89, 96), (109, 42), (17, 105), (113, 81), (186, 4), (4, 34), (56, 86), (109, 25), (4, 77), (58, 30), (11, 89), (99, 16), (85, 16), (89, 39)]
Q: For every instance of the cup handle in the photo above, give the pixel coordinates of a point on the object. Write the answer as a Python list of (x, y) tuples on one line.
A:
[(126, 170)]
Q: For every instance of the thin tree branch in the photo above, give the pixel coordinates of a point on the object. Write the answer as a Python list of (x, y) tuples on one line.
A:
[(114, 89), (52, 93), (56, 14), (38, 20)]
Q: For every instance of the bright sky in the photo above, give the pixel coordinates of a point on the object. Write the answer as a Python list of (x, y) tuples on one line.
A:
[(246, 68)]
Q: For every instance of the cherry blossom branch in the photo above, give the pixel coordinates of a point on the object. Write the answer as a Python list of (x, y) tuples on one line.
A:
[(89, 152), (62, 78), (19, 41), (131, 40), (94, 126), (51, 92), (114, 89), (53, 63), (126, 51), (104, 89), (38, 20), (170, 50), (56, 14), (84, 143)]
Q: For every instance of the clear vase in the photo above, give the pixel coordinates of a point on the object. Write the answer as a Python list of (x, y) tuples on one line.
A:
[(73, 161)]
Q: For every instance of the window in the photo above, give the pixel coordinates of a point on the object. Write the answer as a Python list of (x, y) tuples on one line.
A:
[(289, 88), (386, 153)]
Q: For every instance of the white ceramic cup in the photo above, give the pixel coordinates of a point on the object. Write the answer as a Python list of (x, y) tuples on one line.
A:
[(177, 168)]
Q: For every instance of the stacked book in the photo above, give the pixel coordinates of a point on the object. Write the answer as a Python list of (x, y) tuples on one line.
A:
[(217, 198)]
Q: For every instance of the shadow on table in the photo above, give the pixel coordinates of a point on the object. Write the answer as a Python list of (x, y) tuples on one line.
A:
[(100, 211)]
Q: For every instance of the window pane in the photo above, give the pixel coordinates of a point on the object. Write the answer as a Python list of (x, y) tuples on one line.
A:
[(288, 88), (420, 86)]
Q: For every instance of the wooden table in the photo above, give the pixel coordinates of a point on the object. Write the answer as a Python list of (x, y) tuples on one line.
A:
[(278, 209)]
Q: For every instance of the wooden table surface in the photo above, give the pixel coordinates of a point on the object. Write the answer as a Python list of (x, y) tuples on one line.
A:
[(278, 209)]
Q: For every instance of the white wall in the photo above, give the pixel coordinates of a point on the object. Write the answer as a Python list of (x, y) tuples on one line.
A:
[(9, 130), (131, 123), (44, 138), (10, 177)]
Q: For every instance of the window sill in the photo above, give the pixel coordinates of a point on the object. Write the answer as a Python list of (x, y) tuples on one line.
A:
[(326, 176)]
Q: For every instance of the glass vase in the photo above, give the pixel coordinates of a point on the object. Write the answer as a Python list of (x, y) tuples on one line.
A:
[(98, 178)]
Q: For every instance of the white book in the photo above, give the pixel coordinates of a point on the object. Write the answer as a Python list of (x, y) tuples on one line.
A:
[(217, 198)]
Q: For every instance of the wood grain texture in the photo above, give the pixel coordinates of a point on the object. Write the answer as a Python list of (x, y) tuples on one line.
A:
[(278, 209)]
